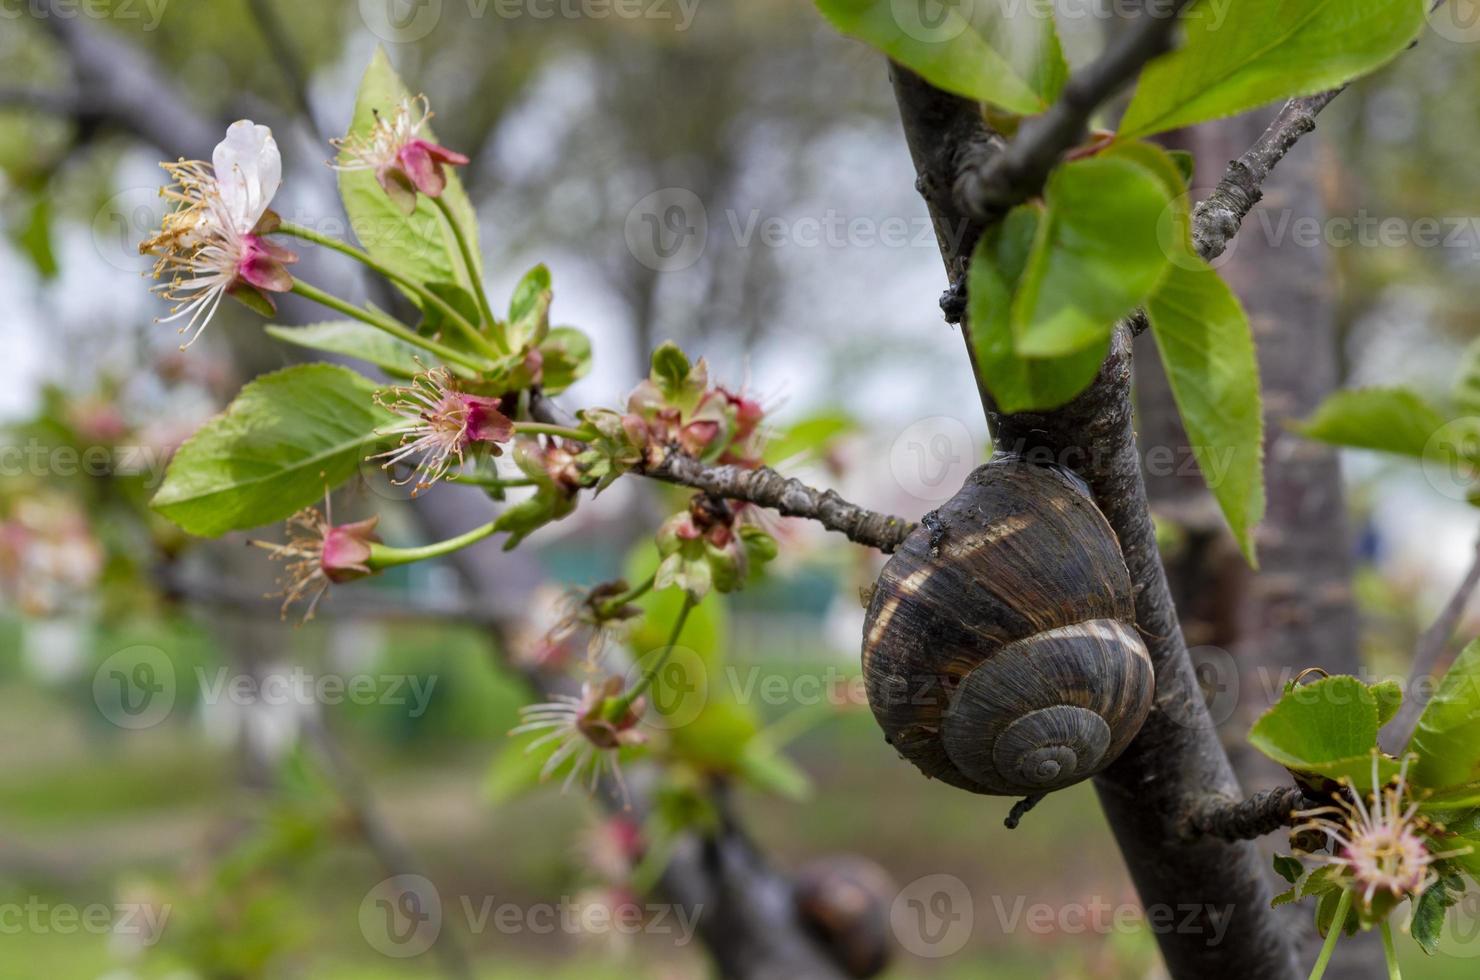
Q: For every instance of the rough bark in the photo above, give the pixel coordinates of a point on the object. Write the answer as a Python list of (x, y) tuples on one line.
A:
[(1177, 755)]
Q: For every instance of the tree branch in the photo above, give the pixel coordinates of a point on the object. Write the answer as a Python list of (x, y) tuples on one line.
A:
[(280, 43), (1177, 752), (1216, 220), (787, 496), (119, 85), (1230, 819), (761, 486), (1426, 656), (990, 187)]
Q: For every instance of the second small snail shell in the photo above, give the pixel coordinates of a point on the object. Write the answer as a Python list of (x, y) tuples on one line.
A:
[(1000, 649)]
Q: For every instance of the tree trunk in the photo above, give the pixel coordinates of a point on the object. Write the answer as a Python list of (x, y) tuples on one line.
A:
[(1211, 896)]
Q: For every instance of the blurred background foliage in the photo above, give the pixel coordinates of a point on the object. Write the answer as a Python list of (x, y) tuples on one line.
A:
[(240, 822)]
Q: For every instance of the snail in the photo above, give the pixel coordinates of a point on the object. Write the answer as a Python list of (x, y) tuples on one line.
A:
[(844, 901), (1000, 651)]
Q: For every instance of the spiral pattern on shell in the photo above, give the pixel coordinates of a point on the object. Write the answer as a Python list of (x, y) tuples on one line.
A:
[(1000, 650)]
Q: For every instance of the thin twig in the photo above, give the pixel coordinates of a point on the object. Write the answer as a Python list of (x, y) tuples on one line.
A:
[(280, 44), (787, 496), (764, 487), (1019, 171), (1427, 653), (1217, 219), (1263, 813), (391, 852)]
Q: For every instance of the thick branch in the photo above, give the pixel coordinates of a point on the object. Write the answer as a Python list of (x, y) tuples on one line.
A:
[(119, 85), (787, 496), (1177, 754), (1426, 656), (1230, 819), (1017, 173)]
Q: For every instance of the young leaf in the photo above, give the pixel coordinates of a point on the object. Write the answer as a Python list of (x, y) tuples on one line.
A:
[(355, 339), (1390, 420), (1326, 729), (1428, 911), (1288, 868), (998, 51), (1095, 257), (1018, 384), (434, 321), (1208, 352), (567, 359), (1389, 695), (420, 246), (808, 439), (1326, 914), (1447, 739), (1241, 55), (529, 309), (767, 769), (286, 438)]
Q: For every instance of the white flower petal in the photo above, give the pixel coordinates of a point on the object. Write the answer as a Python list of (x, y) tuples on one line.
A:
[(249, 170)]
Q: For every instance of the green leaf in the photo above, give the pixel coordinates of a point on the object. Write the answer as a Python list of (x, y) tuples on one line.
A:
[(1288, 868), (1447, 739), (808, 439), (355, 339), (1018, 384), (286, 438), (1389, 420), (547, 505), (1389, 695), (1326, 729), (529, 309), (1241, 55), (1208, 352), (1429, 911), (996, 51), (567, 359), (717, 737), (434, 321), (670, 369), (1326, 914), (704, 632), (420, 245), (767, 769), (34, 236), (1095, 256)]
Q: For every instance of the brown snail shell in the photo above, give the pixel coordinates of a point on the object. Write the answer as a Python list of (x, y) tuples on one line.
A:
[(1000, 651)]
